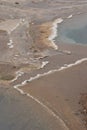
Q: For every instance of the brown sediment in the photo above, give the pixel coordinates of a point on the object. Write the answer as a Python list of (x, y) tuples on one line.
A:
[(7, 71), (2, 32), (40, 34)]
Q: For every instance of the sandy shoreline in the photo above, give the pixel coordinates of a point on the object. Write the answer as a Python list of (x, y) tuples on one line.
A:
[(46, 32)]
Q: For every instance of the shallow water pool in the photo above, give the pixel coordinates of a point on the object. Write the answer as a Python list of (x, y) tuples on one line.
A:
[(73, 30)]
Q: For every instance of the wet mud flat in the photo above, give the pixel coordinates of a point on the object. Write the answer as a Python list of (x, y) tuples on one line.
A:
[(19, 112), (40, 85), (61, 92)]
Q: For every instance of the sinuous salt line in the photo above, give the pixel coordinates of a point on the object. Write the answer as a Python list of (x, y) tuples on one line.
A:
[(44, 106), (15, 27), (70, 16), (50, 72), (10, 25), (40, 75), (35, 77), (18, 74), (21, 21), (73, 64), (44, 63), (50, 111), (54, 32), (47, 73)]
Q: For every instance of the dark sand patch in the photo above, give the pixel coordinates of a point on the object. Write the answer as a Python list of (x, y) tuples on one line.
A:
[(7, 71), (83, 110)]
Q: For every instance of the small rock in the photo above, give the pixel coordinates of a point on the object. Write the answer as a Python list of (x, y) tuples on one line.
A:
[(16, 3)]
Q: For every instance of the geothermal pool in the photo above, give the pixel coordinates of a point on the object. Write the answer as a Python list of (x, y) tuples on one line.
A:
[(73, 30)]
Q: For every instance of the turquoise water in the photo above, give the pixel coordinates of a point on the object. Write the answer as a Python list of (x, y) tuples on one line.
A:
[(73, 30), (77, 35)]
